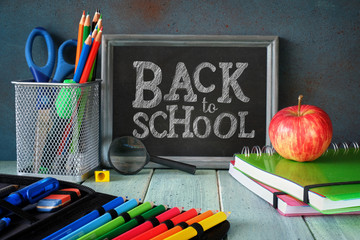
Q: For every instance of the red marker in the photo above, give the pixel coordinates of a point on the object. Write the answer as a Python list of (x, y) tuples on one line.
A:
[(167, 224), (150, 224)]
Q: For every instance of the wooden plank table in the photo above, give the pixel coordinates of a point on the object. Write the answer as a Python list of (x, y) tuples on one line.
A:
[(251, 217)]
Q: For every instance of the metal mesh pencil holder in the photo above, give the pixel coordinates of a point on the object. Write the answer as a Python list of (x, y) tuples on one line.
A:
[(57, 129)]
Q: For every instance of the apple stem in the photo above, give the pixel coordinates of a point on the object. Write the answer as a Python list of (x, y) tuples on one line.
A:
[(299, 103)]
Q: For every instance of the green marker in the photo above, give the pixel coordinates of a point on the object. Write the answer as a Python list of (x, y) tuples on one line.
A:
[(66, 99), (117, 221), (133, 223)]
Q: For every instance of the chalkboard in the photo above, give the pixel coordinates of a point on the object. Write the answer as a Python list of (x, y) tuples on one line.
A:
[(196, 99)]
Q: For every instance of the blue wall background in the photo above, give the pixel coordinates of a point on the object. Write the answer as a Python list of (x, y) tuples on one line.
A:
[(319, 53)]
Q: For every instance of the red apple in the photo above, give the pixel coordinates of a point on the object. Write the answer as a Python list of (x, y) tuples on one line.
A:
[(301, 133)]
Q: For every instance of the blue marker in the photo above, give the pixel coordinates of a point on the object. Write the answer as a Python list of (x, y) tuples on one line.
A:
[(85, 219), (4, 222), (101, 220), (32, 193)]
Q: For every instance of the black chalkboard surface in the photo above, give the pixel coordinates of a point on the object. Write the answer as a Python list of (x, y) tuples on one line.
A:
[(196, 99)]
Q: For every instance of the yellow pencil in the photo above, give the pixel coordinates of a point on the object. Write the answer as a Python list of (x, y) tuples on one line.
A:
[(206, 224)]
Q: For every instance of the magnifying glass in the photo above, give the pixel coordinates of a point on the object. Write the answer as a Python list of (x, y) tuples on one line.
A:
[(128, 155)]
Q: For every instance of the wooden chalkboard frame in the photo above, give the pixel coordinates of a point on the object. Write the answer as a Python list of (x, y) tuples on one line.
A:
[(110, 41)]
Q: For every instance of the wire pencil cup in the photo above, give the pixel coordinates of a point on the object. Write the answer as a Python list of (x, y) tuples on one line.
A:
[(57, 129)]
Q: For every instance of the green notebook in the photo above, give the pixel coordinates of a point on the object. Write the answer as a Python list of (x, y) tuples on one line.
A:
[(340, 166)]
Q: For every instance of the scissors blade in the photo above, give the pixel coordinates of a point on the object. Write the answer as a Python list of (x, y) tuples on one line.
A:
[(63, 68)]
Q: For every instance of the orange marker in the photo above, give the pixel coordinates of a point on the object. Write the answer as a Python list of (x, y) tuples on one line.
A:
[(91, 57), (183, 225), (163, 227), (80, 39)]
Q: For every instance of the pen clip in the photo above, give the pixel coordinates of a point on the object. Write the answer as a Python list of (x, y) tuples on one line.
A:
[(42, 189)]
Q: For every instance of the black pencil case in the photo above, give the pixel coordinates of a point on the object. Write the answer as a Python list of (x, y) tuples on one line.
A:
[(28, 223)]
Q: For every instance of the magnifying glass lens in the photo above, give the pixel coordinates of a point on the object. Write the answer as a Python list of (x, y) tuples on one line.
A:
[(127, 155)]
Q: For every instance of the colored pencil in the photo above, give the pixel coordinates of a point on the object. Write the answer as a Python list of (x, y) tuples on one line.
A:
[(118, 221), (92, 74), (206, 224), (101, 220), (83, 57), (87, 26), (85, 219), (180, 227), (80, 39), (91, 57), (94, 64), (95, 19), (149, 224), (133, 222), (169, 224), (100, 23)]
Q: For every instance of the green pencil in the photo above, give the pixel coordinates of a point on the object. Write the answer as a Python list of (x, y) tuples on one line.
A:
[(117, 221), (86, 27), (134, 222)]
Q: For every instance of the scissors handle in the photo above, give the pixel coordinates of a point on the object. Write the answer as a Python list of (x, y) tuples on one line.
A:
[(63, 68), (41, 74)]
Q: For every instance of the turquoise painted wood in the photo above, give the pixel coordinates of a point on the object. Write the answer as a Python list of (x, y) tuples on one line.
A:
[(252, 218), (335, 227), (8, 167), (180, 189), (132, 186)]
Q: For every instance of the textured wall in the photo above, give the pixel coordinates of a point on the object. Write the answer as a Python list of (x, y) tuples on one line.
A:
[(319, 53)]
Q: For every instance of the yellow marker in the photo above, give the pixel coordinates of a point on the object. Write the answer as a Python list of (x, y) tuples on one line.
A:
[(102, 176), (206, 224)]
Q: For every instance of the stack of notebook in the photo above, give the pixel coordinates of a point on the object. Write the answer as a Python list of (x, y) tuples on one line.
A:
[(328, 185)]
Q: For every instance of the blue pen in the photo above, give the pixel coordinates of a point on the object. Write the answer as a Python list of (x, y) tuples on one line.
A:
[(85, 219), (4, 222), (101, 220), (32, 193)]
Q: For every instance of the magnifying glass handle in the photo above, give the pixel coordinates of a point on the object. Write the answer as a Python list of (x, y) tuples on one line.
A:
[(174, 164)]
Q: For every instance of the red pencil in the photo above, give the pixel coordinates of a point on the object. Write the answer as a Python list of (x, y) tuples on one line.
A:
[(166, 226), (91, 57), (80, 39), (149, 224)]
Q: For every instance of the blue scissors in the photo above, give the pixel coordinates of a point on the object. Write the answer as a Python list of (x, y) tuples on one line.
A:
[(43, 74)]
